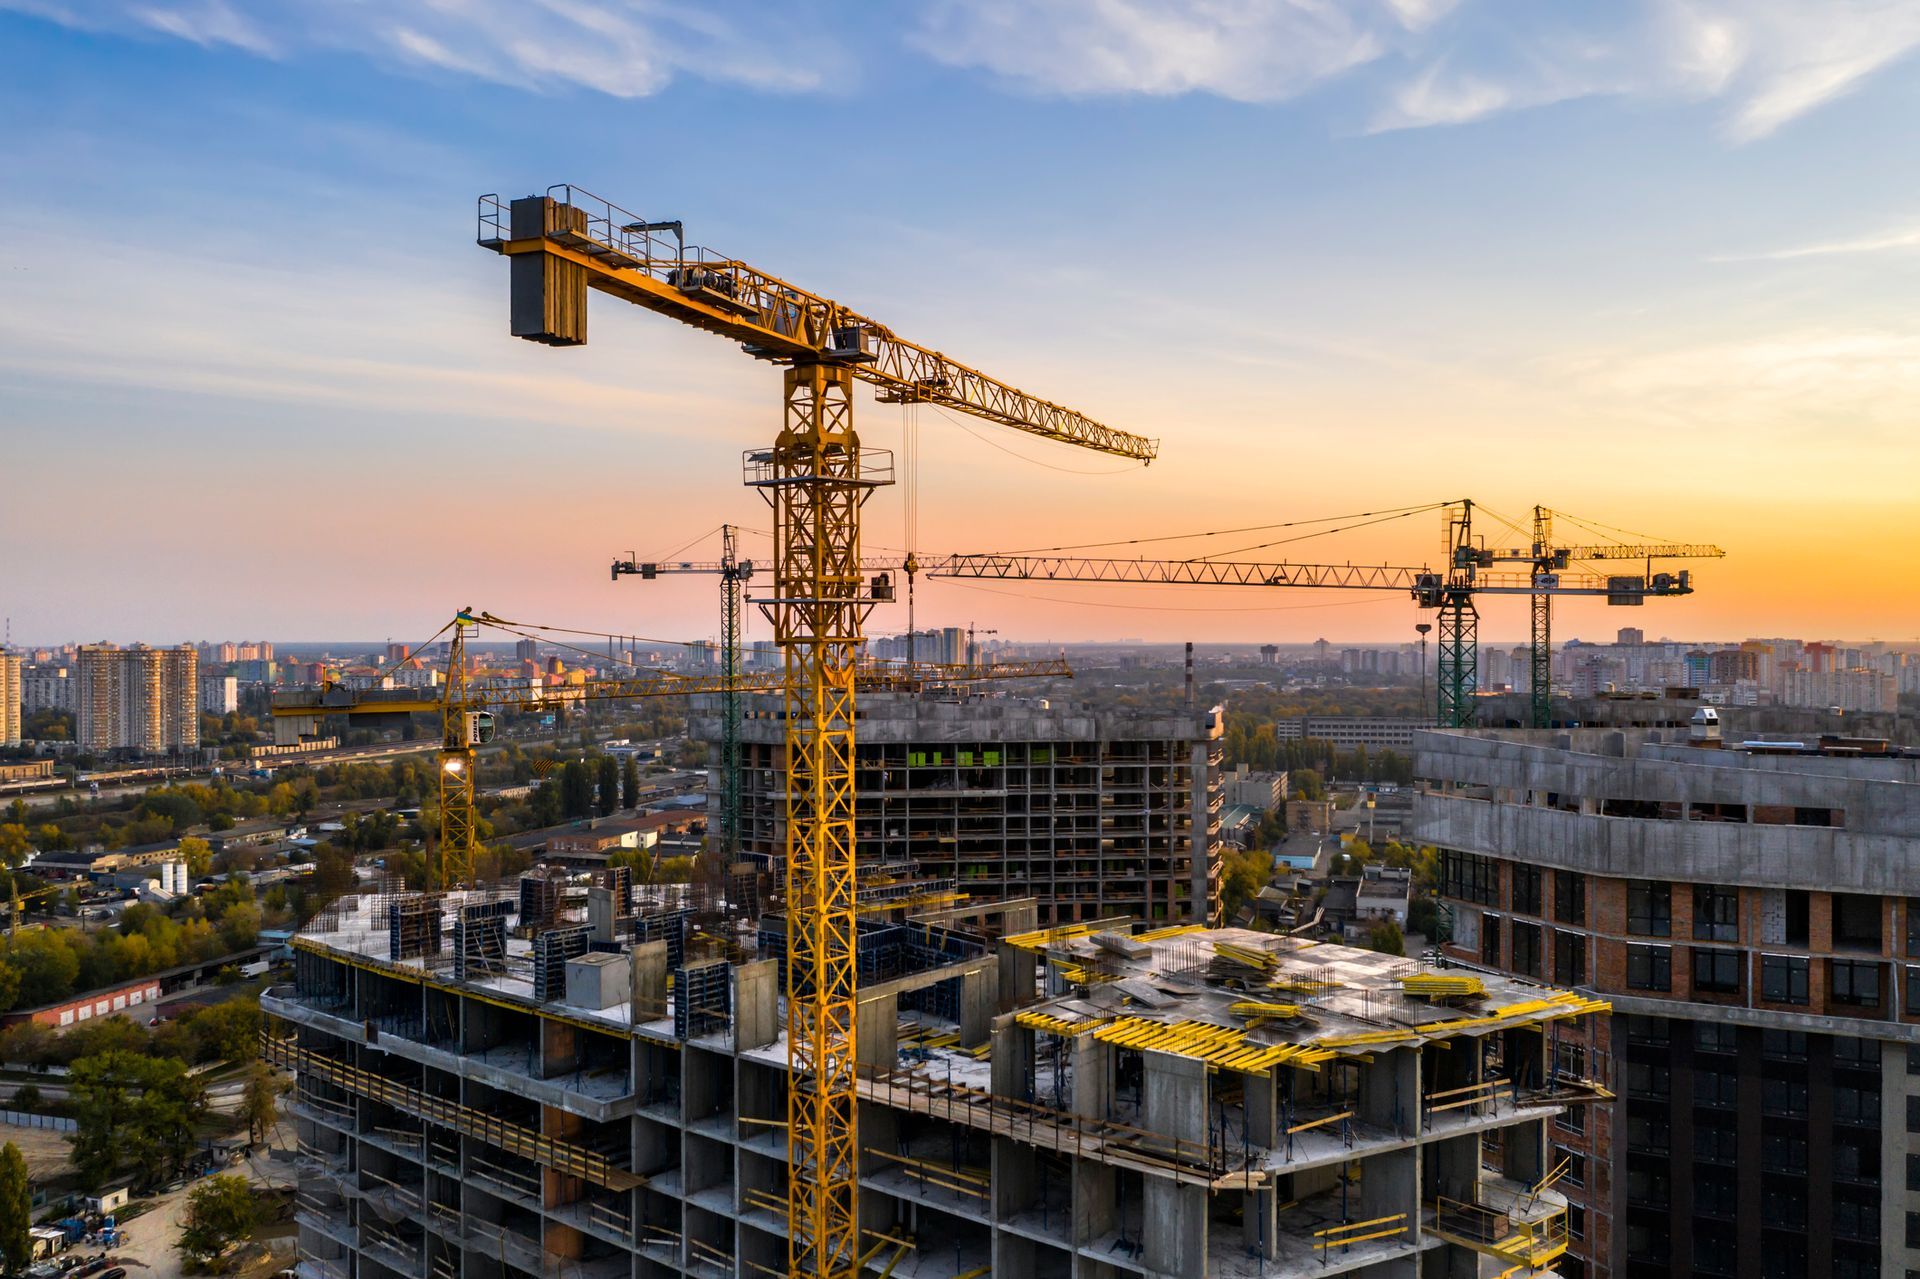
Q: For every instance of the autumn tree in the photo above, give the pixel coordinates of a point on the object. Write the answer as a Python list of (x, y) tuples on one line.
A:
[(16, 1210)]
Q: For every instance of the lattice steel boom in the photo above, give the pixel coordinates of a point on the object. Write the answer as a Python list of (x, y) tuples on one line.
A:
[(816, 477)]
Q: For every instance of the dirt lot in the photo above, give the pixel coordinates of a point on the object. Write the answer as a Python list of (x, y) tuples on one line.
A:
[(48, 1154)]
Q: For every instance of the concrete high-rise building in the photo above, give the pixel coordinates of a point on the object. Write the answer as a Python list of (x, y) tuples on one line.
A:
[(139, 700), (219, 694), (1753, 915), (1096, 813), (10, 699), (470, 1103), (1630, 635), (526, 650), (46, 686), (401, 652)]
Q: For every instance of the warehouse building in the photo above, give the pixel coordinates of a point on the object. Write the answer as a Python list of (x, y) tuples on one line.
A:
[(1751, 909), (474, 1098)]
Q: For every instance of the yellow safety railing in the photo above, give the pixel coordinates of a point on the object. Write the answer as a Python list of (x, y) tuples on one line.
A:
[(1349, 1233)]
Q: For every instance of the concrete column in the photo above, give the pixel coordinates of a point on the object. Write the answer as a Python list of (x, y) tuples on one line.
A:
[(1092, 1077), (1012, 1058), (756, 1004), (1390, 1091), (649, 963), (979, 999), (602, 910), (1019, 971), (1173, 1216), (877, 1031)]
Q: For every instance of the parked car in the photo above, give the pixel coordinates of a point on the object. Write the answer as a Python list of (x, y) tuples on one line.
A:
[(118, 1272)]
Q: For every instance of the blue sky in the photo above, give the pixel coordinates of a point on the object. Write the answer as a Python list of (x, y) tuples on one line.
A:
[(1652, 263)]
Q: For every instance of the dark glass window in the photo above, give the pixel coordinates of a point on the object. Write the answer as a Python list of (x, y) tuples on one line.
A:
[(1648, 1079), (1913, 1173), (1490, 940), (1913, 1114), (1856, 921), (1526, 888), (1526, 949), (1569, 957), (1469, 878), (1650, 908), (1716, 1037), (1784, 1045), (1855, 983), (1716, 913), (1783, 978), (1716, 972), (1650, 967), (1783, 1096), (1913, 927), (1570, 898), (1913, 991)]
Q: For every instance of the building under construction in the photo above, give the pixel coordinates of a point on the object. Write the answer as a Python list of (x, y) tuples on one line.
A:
[(578, 1078), (1094, 813)]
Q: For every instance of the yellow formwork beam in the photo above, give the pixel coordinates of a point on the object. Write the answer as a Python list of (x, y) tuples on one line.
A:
[(1221, 1046), (1442, 985), (1162, 934), (1555, 1007), (1036, 1020)]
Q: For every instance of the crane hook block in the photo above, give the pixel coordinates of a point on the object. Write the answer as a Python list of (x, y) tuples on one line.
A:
[(549, 292)]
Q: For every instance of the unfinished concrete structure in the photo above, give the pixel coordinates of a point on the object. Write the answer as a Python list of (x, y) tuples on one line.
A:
[(1752, 912), (1094, 813), (1083, 1101)]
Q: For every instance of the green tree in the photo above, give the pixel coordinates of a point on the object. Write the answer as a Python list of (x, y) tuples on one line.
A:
[(133, 1113), (17, 812), (220, 1213), (576, 790), (16, 1210), (229, 1031), (260, 1104), (609, 785), (1385, 937), (630, 779), (1244, 875), (1307, 784), (197, 853)]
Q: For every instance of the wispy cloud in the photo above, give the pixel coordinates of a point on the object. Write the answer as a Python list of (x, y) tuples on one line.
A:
[(1883, 242), (623, 48), (1427, 63)]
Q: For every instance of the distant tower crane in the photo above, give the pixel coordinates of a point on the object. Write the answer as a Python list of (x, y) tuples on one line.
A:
[(1548, 562), (1451, 593), (566, 242), (734, 573)]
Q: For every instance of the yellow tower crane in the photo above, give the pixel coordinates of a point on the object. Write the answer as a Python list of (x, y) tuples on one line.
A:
[(816, 478)]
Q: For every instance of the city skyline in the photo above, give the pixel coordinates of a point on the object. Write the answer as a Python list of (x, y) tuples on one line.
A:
[(1648, 266)]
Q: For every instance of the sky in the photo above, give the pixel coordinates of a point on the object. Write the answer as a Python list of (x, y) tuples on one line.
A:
[(1649, 262)]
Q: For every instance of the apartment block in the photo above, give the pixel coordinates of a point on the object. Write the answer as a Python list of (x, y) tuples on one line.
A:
[(1752, 912), (139, 700), (47, 687), (10, 698), (1375, 732), (1095, 813), (477, 1096)]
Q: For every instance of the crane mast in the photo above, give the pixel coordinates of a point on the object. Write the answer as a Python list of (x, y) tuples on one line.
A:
[(734, 573), (816, 477)]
